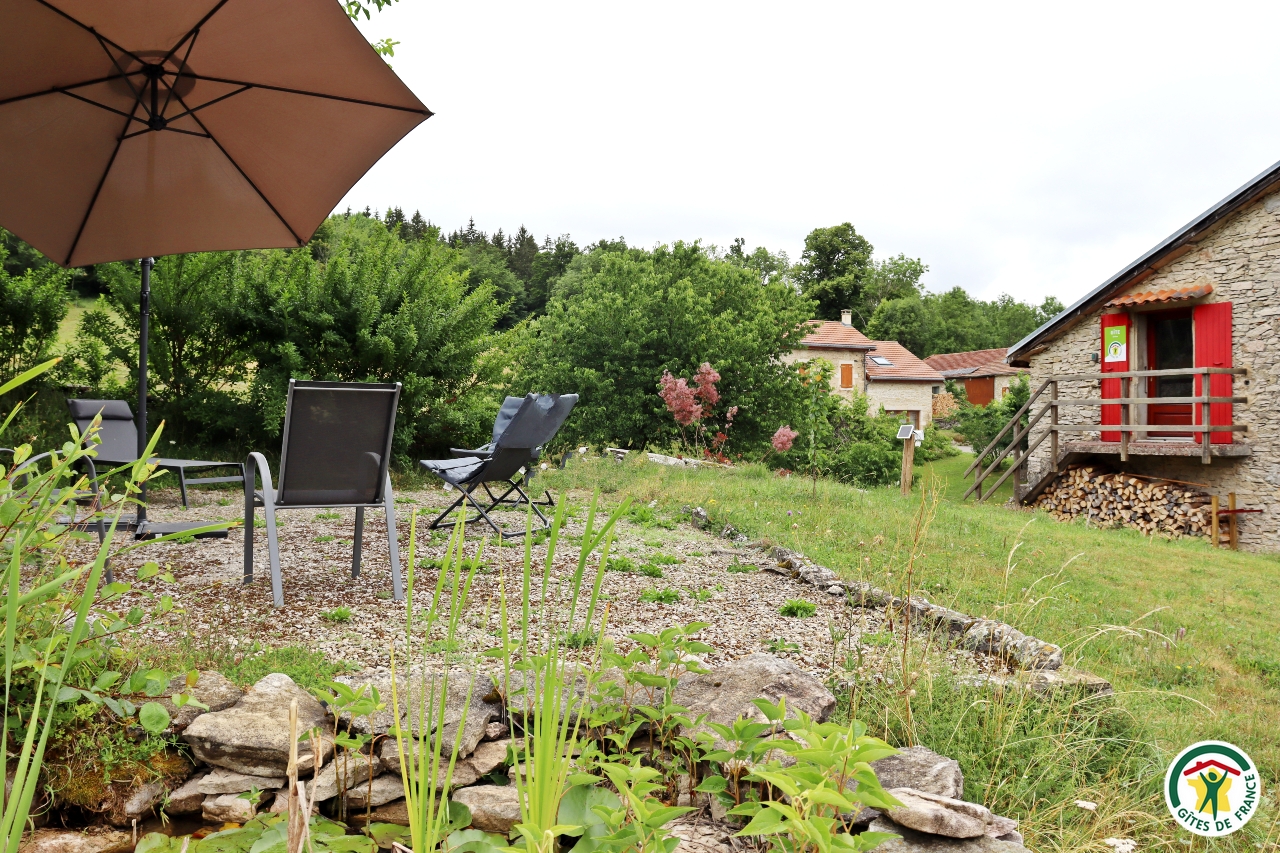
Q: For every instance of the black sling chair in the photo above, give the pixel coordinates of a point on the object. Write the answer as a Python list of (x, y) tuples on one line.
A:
[(119, 435), (514, 451), (335, 453), (510, 406)]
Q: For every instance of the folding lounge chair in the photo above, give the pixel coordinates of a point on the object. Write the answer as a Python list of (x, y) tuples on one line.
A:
[(119, 445), (510, 406), (335, 453), (536, 422)]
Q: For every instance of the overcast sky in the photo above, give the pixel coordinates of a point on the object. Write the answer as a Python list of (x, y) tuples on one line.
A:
[(1013, 148)]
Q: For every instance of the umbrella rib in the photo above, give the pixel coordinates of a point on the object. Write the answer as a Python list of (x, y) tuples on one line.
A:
[(289, 91), (129, 116), (146, 130), (86, 28), (59, 89), (247, 179), (169, 97), (97, 190), (193, 110), (194, 31)]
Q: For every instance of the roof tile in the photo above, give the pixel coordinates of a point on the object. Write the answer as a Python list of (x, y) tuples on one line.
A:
[(1195, 291), (905, 367), (832, 334)]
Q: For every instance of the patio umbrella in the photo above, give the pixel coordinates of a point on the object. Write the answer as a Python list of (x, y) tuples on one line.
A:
[(135, 128)]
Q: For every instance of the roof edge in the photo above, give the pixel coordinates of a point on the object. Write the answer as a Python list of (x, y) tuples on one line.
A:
[(1242, 196)]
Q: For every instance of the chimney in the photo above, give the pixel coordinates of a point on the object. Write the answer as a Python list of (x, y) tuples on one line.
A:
[(846, 317)]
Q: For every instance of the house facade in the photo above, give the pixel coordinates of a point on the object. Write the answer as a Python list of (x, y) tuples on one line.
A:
[(983, 373), (884, 371), (1198, 313)]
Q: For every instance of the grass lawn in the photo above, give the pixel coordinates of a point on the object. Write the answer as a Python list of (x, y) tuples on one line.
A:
[(1186, 634)]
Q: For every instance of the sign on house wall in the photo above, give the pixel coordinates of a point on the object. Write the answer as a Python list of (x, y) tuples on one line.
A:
[(1116, 343)]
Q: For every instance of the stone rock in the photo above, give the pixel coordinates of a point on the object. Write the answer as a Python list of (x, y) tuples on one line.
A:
[(725, 693), (350, 769), (483, 708), (385, 788), (252, 736), (186, 799), (211, 688), (141, 803), (280, 805), (698, 516), (487, 757), (223, 781), (926, 815), (921, 769), (910, 841), (496, 731), (1042, 682), (494, 808), (954, 818), (396, 811), (990, 637), (93, 840), (697, 834), (227, 808)]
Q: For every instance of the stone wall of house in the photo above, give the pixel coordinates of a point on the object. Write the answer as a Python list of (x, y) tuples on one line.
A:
[(1241, 259), (836, 357), (893, 396)]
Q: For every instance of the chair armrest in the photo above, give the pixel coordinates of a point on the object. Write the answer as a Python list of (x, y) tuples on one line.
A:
[(263, 471), (462, 452)]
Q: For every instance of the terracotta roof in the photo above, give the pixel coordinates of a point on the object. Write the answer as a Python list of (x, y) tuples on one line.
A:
[(1171, 295), (832, 334), (974, 358), (902, 366)]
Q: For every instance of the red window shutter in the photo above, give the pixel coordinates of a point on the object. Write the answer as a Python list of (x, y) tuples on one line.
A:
[(846, 376), (1111, 387), (1213, 349)]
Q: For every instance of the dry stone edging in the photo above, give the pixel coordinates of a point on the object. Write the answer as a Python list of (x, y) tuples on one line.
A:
[(1024, 653)]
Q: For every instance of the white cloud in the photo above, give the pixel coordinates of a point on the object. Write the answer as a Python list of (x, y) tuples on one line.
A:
[(1012, 147)]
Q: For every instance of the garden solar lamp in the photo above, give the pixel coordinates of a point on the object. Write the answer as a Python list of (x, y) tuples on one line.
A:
[(135, 128)]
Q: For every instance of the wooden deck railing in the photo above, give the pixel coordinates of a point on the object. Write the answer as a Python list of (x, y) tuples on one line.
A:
[(1133, 420)]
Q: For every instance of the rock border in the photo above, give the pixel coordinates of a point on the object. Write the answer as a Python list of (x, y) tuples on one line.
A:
[(1037, 665)]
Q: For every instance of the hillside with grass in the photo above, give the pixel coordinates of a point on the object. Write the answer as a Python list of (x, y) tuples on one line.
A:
[(1185, 634)]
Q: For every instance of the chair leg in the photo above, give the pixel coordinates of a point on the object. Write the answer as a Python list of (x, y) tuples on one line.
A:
[(182, 485), (358, 544), (442, 516), (273, 553), (248, 530), (532, 505), (393, 542)]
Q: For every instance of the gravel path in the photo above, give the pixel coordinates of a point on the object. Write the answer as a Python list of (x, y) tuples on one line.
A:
[(708, 576)]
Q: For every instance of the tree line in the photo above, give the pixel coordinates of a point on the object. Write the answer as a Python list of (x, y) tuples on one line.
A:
[(463, 318)]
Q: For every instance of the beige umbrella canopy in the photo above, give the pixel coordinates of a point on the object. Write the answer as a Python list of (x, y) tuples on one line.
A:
[(131, 128)]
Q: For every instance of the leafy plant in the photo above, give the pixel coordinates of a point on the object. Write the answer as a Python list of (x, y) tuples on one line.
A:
[(741, 568), (339, 614), (798, 608), (660, 596), (620, 564), (664, 560), (778, 646), (649, 570)]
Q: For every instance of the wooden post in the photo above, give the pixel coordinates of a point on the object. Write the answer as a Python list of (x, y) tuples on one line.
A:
[(908, 456), (1206, 437), (1124, 419), (1233, 535), (1053, 424), (1213, 522)]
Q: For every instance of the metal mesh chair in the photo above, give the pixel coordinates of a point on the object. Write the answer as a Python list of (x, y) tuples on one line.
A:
[(536, 421), (335, 453), (119, 445)]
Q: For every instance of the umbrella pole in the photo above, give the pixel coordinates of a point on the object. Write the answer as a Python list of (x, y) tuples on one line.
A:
[(144, 328)]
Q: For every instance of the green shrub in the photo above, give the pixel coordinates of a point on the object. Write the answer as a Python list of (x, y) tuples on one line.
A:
[(798, 608), (649, 570), (660, 596)]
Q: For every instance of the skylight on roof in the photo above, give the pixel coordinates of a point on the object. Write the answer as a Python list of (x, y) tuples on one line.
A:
[(882, 361)]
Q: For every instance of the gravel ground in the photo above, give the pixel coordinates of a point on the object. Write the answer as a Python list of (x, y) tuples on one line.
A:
[(741, 607)]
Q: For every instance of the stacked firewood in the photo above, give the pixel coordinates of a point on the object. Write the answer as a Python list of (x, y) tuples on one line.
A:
[(1127, 500)]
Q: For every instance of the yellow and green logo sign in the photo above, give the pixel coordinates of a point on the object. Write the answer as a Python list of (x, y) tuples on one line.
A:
[(1115, 341), (1212, 788)]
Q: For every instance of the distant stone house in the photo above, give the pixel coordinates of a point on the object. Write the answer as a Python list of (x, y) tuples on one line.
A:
[(1202, 305), (884, 371), (983, 373)]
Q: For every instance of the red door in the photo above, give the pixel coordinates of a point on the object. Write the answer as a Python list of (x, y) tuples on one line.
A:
[(1213, 349), (1170, 347), (1115, 358)]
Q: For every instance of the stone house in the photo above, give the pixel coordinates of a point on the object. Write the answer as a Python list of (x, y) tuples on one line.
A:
[(1201, 312), (884, 371), (983, 373)]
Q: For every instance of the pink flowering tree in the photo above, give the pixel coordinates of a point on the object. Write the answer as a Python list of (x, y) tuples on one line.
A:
[(693, 407)]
